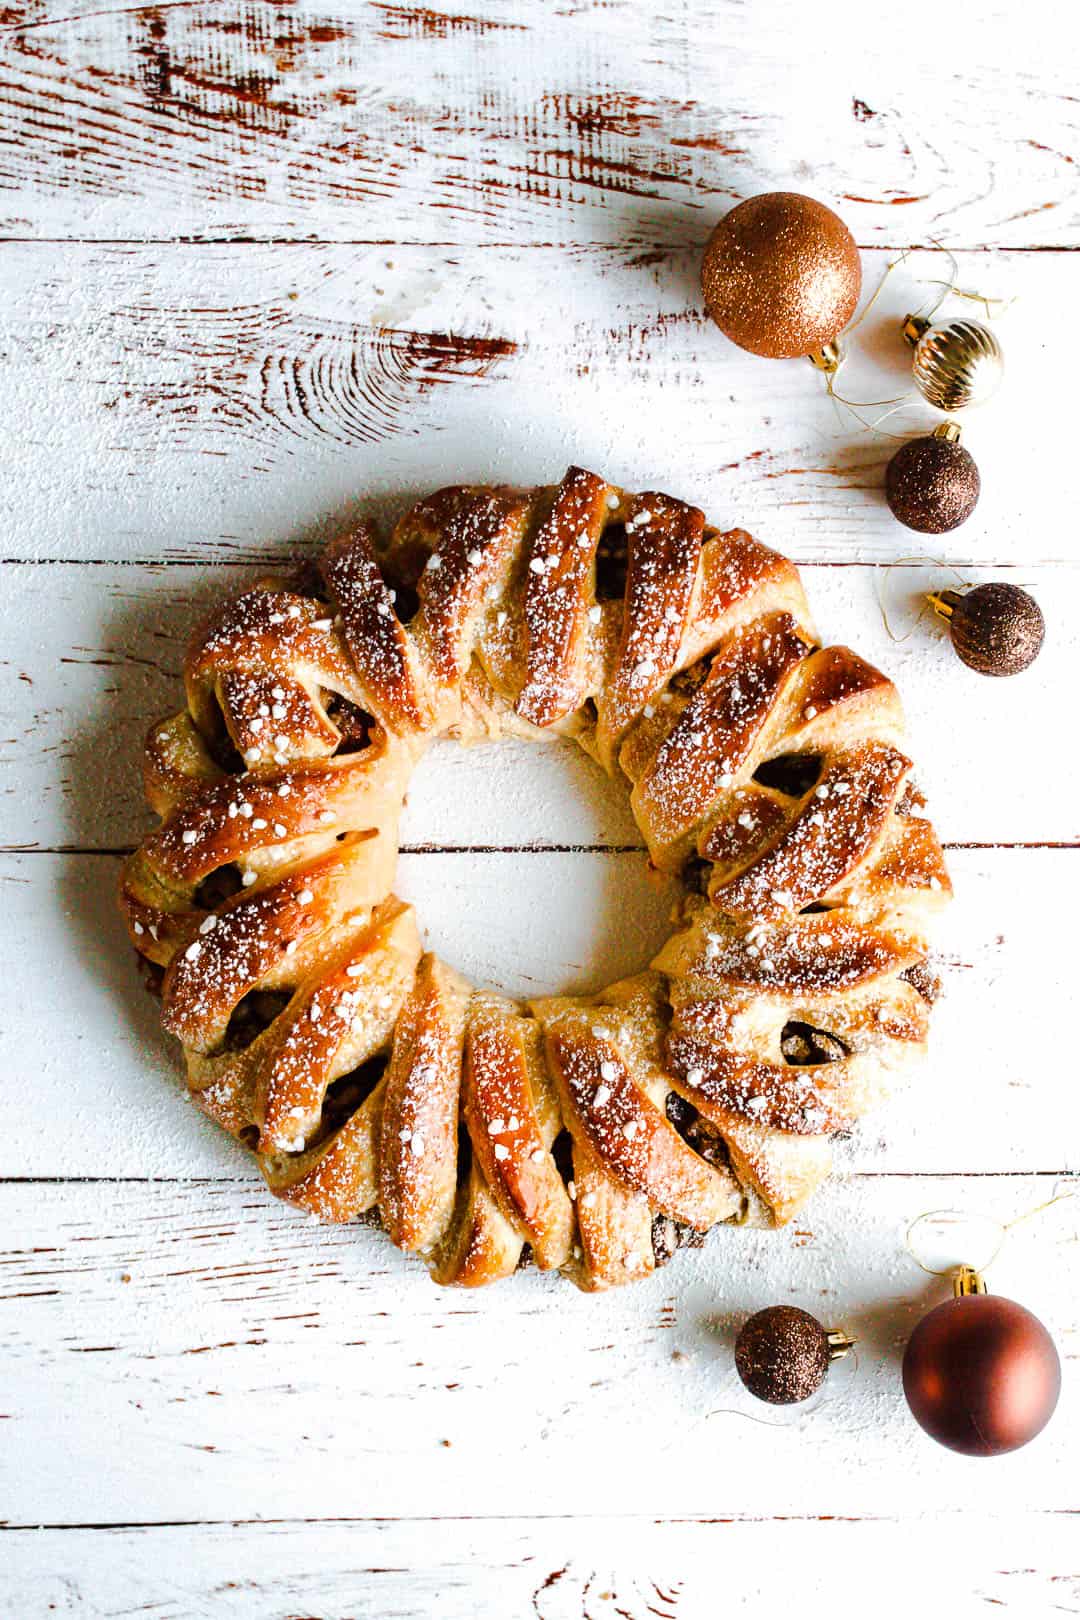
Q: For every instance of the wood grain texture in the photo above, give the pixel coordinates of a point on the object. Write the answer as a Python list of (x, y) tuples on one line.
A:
[(97, 660), (107, 1098), (189, 403), (267, 266), (205, 1331), (593, 1568), (522, 121)]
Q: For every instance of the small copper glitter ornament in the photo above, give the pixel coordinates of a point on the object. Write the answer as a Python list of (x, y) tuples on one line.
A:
[(932, 483), (783, 1353), (781, 276), (957, 364), (996, 629), (981, 1374)]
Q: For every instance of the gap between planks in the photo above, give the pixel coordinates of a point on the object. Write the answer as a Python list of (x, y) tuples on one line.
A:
[(254, 1181), (121, 851), (12, 1526), (292, 559), (691, 244)]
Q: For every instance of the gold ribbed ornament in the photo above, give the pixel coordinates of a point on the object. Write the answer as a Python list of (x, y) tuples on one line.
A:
[(957, 364)]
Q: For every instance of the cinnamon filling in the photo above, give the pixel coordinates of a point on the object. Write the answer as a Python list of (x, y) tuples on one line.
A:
[(345, 1095), (218, 887), (695, 875), (922, 977), (353, 723), (251, 1015), (909, 801), (793, 774), (696, 1131), (669, 1236), (222, 750), (685, 682), (611, 563), (803, 1045)]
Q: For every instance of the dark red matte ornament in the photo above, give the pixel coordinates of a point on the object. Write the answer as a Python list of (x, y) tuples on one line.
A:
[(981, 1374)]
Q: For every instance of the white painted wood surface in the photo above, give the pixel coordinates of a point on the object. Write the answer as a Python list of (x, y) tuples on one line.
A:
[(234, 401), (264, 266), (546, 1569)]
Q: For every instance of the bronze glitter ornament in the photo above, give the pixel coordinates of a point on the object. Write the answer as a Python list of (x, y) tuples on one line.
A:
[(932, 483), (783, 1353), (996, 629), (781, 276), (981, 1374), (957, 364)]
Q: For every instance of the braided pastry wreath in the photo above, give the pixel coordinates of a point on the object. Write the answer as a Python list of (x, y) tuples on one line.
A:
[(596, 1132)]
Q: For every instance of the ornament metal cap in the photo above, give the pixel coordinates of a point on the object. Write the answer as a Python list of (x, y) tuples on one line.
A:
[(949, 431), (943, 602), (913, 328), (827, 358), (968, 1281), (839, 1343)]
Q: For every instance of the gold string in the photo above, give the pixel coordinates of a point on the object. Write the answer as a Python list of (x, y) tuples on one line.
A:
[(801, 1409), (881, 576), (946, 286), (899, 402), (881, 579), (905, 401), (1006, 1228), (1058, 1198), (984, 299), (892, 265), (855, 406)]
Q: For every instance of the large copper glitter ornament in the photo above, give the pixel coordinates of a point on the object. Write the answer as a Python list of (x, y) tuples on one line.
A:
[(781, 275)]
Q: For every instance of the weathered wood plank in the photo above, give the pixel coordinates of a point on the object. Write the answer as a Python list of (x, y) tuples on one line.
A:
[(91, 656), (527, 122), (216, 1357), (558, 1569), (187, 402), (90, 1086)]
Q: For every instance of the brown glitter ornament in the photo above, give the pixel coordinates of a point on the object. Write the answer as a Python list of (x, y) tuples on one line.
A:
[(932, 483), (981, 1374), (781, 276), (996, 629), (782, 1354)]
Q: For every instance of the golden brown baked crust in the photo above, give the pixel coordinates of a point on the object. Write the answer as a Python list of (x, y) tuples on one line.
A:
[(591, 1132)]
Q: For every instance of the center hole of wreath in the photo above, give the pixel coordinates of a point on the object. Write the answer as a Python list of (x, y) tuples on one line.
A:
[(527, 870)]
